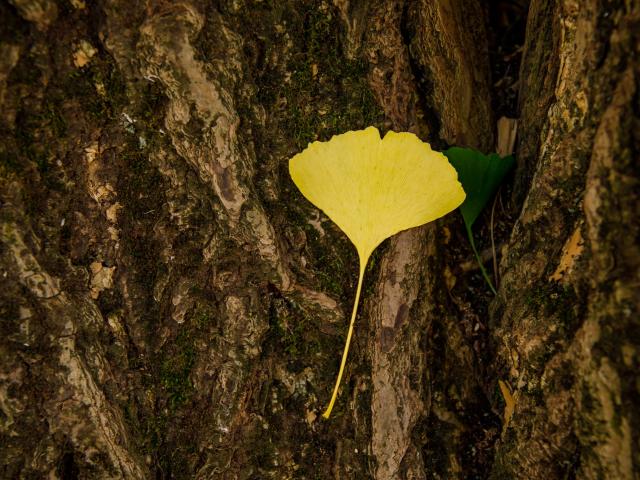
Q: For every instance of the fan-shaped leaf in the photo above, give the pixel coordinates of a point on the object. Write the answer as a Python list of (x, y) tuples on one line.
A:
[(373, 188)]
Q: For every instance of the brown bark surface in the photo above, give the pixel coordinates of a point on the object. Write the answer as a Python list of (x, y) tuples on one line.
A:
[(172, 307), (565, 323)]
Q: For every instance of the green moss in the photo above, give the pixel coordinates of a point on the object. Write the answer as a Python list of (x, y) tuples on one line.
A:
[(140, 185), (332, 257), (36, 127), (203, 318), (317, 92), (556, 301), (98, 87), (326, 93), (53, 118), (178, 359), (68, 98), (287, 327), (175, 370), (331, 268), (9, 163)]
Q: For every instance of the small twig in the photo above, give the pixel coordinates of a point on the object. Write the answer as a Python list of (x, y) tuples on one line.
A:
[(493, 244), (478, 258), (471, 264)]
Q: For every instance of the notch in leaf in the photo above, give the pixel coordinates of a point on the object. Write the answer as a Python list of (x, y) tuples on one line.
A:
[(373, 188), (480, 175)]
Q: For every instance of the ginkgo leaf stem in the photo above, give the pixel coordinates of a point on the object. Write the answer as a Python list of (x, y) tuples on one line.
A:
[(327, 413), (479, 260)]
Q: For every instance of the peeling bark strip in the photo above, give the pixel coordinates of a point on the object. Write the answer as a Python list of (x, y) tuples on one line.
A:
[(396, 403), (170, 303)]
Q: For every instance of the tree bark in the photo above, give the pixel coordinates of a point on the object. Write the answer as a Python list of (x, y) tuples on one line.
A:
[(565, 322), (172, 307)]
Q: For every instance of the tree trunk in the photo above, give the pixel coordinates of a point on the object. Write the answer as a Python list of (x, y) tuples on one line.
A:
[(172, 307)]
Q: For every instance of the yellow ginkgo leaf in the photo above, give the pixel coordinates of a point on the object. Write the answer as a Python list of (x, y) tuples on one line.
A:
[(373, 188)]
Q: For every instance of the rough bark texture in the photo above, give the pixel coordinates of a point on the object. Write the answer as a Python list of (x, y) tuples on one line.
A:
[(565, 323), (172, 307)]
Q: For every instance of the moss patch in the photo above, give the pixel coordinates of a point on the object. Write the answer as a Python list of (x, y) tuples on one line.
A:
[(175, 367)]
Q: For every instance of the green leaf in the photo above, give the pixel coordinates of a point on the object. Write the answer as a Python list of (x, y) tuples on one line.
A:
[(480, 176)]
